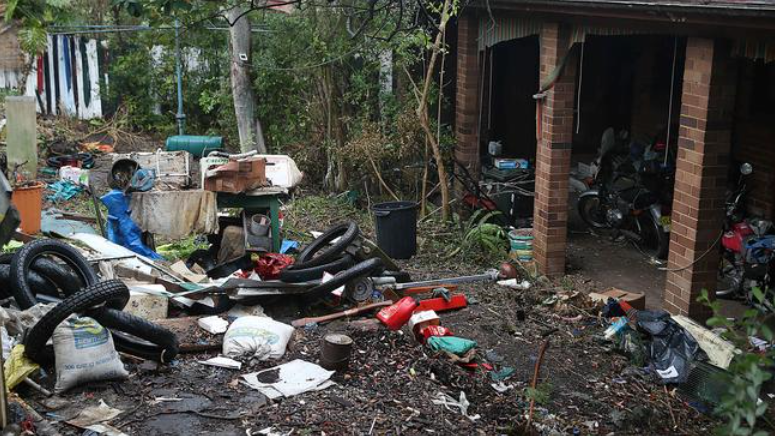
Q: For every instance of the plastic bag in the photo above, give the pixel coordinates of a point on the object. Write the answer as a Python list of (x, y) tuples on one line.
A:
[(672, 349), (270, 264), (84, 352), (121, 229), (451, 344), (17, 367), (254, 336)]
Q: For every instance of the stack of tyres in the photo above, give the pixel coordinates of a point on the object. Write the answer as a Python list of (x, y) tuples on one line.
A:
[(76, 289)]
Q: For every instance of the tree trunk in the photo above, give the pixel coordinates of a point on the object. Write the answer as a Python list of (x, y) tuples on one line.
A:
[(422, 110), (251, 136)]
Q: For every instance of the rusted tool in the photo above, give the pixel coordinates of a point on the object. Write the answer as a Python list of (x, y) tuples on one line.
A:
[(349, 312)]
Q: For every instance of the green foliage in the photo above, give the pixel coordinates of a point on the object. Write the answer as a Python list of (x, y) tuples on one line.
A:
[(144, 85), (34, 16), (540, 394), (181, 249), (483, 236), (741, 407)]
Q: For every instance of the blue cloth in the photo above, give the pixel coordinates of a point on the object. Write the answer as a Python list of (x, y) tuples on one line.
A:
[(66, 47), (63, 190), (121, 229)]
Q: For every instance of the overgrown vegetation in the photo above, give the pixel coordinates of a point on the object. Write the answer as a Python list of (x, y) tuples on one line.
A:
[(337, 86), (741, 407)]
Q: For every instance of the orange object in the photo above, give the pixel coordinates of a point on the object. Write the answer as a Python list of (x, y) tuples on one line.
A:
[(439, 304), (395, 316), (29, 202)]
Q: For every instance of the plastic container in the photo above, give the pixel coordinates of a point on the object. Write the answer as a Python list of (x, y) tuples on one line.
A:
[(521, 241), (259, 225), (396, 225), (29, 202), (196, 145), (335, 352), (395, 316)]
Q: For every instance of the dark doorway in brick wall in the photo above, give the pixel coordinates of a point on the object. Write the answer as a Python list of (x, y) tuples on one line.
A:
[(512, 107), (753, 138), (625, 83)]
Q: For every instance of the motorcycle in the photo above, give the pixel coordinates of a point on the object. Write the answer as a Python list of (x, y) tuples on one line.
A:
[(628, 198), (747, 249)]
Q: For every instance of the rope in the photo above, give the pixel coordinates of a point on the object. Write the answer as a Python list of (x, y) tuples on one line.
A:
[(698, 259), (578, 96), (670, 103)]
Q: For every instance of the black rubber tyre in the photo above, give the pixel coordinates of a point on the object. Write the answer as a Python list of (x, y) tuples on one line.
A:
[(38, 284), (156, 342), (102, 293), (316, 272), (24, 258), (656, 241), (346, 232), (58, 276), (360, 270), (592, 211)]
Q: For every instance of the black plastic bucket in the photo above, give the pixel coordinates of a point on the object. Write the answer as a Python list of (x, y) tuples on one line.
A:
[(396, 224)]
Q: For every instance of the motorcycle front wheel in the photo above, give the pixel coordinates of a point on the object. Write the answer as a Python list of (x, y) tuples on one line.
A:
[(729, 279), (654, 240), (592, 211)]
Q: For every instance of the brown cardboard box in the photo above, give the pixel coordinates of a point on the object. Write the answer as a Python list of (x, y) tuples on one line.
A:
[(637, 301), (238, 176)]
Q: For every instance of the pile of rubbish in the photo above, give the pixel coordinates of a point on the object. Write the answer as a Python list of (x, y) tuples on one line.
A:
[(83, 305)]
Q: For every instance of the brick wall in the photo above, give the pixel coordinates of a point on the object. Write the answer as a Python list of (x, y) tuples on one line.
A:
[(707, 105), (553, 152), (467, 101)]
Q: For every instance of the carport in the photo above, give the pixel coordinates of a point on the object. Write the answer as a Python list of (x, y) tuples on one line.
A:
[(721, 91)]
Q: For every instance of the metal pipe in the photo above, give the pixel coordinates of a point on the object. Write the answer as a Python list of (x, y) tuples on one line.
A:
[(180, 116), (489, 276)]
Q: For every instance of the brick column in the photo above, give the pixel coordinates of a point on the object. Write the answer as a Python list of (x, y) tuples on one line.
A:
[(553, 152), (707, 105), (467, 93)]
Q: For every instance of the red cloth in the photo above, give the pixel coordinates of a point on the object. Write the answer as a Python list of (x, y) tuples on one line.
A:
[(41, 88), (269, 265)]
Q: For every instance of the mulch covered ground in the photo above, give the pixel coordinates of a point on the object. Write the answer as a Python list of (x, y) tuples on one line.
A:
[(585, 387)]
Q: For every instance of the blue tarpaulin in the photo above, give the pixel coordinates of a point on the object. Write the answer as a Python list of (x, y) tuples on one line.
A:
[(121, 229)]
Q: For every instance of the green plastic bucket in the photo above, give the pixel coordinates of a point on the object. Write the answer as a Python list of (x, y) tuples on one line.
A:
[(521, 241)]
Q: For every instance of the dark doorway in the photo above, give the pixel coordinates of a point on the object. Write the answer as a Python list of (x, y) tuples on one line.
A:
[(515, 66), (625, 83)]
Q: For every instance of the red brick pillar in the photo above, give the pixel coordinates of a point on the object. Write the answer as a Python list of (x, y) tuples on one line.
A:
[(467, 93), (707, 105), (553, 152)]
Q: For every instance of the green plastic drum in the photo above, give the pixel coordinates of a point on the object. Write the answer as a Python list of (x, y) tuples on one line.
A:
[(197, 145)]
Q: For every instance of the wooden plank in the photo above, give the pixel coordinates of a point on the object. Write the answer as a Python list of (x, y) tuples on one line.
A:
[(191, 337)]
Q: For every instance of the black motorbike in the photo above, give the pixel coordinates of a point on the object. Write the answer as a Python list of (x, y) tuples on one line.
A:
[(627, 196)]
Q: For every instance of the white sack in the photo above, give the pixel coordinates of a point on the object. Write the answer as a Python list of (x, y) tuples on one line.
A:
[(253, 336), (84, 352)]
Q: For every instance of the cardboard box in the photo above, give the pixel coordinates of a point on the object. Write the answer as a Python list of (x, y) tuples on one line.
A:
[(636, 300), (237, 176)]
